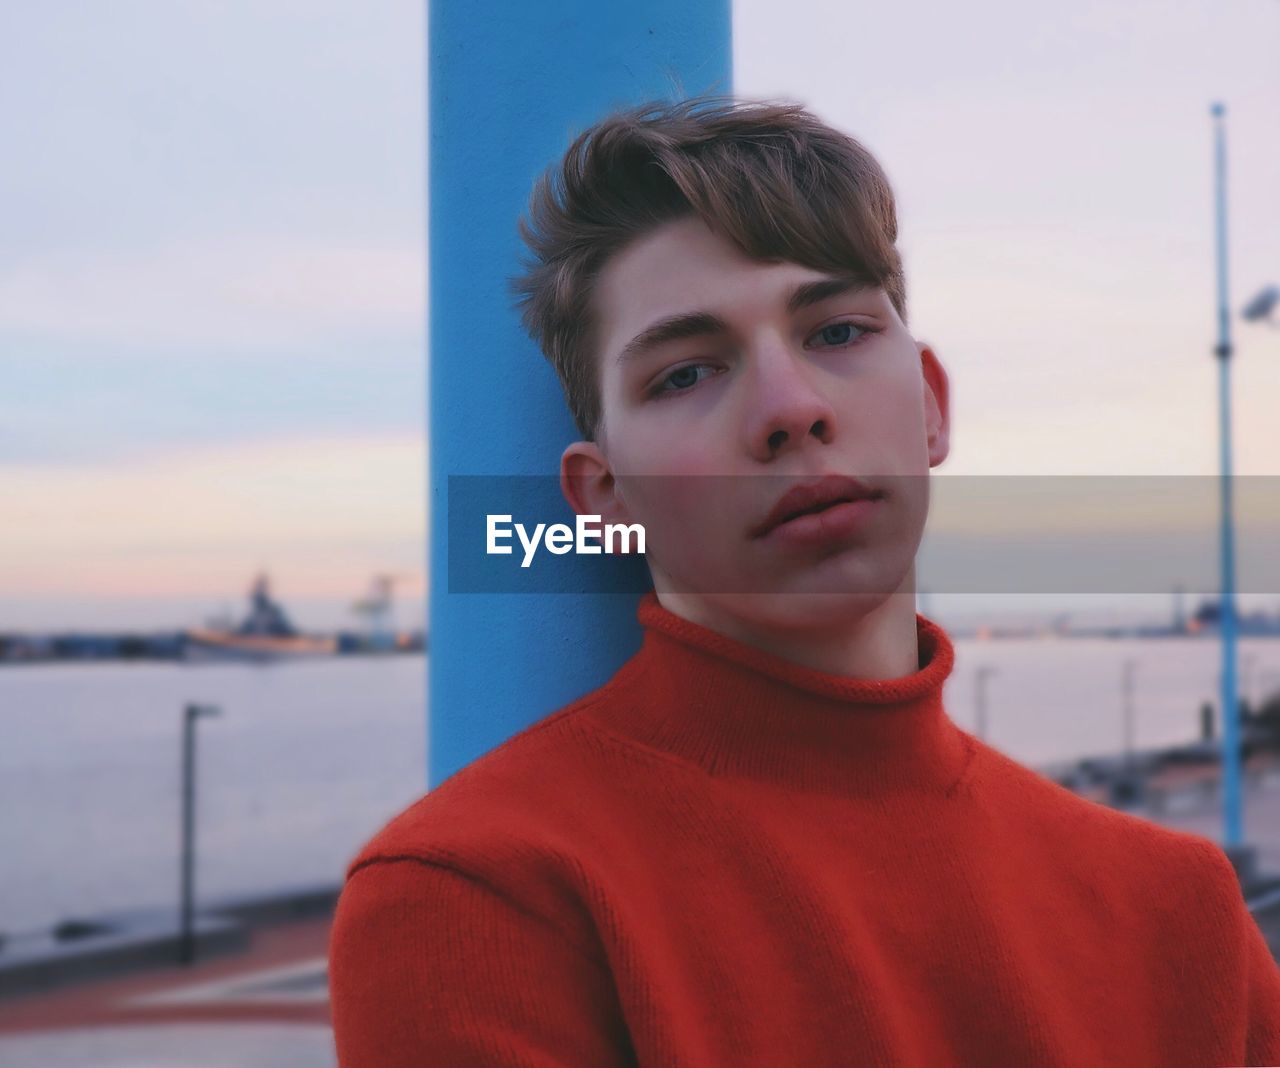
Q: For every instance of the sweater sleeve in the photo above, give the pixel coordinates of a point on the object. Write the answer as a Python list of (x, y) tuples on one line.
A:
[(431, 966)]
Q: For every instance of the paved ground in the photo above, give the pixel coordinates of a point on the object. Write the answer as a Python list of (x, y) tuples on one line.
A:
[(267, 1008), (224, 1045)]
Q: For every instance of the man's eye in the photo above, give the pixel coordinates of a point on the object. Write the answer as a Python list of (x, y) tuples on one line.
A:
[(681, 379), (838, 334)]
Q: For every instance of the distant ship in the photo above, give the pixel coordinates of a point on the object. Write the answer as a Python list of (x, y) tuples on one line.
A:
[(265, 634), (1208, 621)]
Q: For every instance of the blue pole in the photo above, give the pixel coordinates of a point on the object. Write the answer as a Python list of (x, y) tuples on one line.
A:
[(1233, 833), (509, 85)]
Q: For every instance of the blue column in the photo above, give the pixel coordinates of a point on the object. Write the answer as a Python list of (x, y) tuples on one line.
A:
[(509, 85)]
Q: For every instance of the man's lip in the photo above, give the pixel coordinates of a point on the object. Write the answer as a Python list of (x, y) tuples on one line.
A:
[(811, 495)]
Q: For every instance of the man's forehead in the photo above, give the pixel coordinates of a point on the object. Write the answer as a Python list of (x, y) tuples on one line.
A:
[(673, 255), (685, 268)]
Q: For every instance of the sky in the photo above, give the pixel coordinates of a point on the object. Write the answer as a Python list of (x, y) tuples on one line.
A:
[(1053, 171), (212, 305), (213, 268)]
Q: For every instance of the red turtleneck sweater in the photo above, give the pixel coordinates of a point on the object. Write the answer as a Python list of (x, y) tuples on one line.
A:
[(722, 858)]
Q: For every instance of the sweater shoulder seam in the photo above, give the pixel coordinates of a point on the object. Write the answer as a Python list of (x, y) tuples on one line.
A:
[(963, 780), (452, 868)]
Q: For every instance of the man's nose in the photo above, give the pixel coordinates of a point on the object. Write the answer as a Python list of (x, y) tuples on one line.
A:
[(786, 406)]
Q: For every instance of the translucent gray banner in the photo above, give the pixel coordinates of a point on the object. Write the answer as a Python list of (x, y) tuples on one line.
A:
[(981, 534)]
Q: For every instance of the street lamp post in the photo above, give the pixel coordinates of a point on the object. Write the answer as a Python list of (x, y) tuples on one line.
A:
[(1127, 688), (1233, 832), (1246, 681), (186, 941), (980, 698)]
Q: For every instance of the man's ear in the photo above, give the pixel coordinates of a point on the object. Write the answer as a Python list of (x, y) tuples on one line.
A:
[(587, 482), (937, 405)]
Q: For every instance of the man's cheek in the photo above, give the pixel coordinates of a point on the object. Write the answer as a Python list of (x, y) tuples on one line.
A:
[(686, 538)]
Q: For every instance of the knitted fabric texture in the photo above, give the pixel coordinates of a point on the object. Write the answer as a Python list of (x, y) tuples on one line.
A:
[(723, 858)]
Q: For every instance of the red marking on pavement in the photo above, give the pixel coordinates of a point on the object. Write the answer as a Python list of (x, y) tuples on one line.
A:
[(105, 1001)]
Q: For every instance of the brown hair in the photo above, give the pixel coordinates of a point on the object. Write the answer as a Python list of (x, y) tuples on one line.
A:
[(770, 177)]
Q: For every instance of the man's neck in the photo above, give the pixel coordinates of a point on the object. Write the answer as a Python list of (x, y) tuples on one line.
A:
[(877, 644)]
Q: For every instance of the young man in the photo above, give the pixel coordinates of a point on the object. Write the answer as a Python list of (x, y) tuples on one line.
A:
[(763, 841)]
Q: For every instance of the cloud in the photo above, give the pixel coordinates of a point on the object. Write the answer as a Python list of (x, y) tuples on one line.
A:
[(241, 294), (321, 513)]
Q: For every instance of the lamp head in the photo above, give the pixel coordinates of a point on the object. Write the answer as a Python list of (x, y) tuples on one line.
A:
[(1262, 305)]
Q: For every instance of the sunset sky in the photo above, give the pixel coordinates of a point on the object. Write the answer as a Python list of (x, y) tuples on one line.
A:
[(213, 272)]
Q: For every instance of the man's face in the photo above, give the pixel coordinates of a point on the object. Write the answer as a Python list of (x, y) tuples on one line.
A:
[(706, 427)]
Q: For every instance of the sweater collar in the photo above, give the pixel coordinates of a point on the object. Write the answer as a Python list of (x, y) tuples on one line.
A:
[(739, 712)]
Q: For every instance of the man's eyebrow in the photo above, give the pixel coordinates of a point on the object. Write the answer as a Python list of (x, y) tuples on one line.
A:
[(672, 328), (815, 292), (704, 324)]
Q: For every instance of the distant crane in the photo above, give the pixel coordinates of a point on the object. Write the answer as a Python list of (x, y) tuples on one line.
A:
[(376, 606)]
